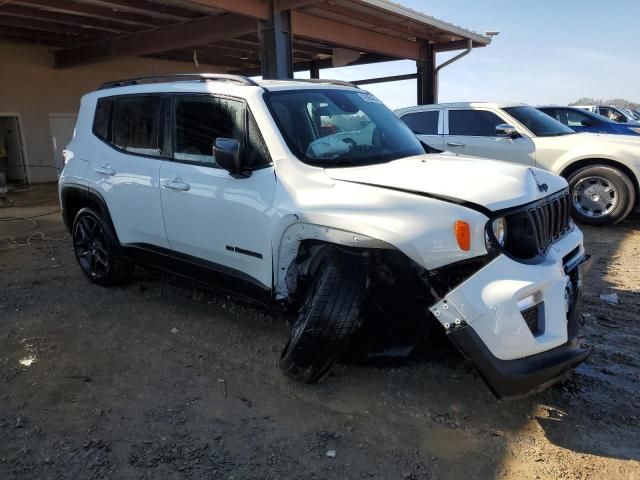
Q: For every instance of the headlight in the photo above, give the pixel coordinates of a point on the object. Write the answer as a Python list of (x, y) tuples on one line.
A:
[(499, 227)]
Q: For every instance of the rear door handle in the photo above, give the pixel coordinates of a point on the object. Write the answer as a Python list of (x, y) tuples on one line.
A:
[(105, 170), (176, 184), (455, 144)]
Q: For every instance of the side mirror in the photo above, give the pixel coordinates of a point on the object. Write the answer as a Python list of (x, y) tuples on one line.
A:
[(506, 130), (586, 123), (226, 152)]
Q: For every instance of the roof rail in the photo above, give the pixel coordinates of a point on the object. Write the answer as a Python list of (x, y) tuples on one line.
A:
[(180, 77), (326, 81)]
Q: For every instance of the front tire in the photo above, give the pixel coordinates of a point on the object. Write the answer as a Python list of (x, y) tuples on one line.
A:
[(327, 318), (600, 195), (97, 249)]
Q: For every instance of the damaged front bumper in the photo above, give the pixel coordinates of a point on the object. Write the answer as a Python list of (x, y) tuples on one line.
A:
[(518, 323)]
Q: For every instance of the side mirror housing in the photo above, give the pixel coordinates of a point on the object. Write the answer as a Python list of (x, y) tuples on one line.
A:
[(226, 152), (506, 130)]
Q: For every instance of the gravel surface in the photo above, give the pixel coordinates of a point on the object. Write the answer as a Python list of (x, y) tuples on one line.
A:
[(161, 378)]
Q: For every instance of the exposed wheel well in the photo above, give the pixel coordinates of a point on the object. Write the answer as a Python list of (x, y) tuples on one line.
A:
[(574, 167)]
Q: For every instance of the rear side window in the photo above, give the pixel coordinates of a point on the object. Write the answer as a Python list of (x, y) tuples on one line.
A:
[(102, 119), (473, 123), (199, 120), (136, 124), (422, 123)]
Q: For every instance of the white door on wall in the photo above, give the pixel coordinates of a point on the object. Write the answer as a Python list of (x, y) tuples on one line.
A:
[(62, 126)]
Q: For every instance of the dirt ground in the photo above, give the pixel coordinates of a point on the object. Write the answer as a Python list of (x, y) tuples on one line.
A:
[(163, 379)]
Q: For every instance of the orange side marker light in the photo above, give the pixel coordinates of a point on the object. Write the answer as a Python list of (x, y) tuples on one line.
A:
[(463, 235)]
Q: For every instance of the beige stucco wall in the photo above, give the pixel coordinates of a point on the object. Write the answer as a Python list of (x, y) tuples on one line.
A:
[(31, 87)]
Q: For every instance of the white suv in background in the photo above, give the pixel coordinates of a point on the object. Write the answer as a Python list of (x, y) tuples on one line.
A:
[(617, 114), (314, 196), (603, 171)]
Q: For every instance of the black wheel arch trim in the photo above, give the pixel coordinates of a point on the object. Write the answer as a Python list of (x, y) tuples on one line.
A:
[(92, 198)]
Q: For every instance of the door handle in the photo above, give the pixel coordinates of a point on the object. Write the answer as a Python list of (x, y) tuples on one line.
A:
[(105, 170), (176, 184), (455, 144)]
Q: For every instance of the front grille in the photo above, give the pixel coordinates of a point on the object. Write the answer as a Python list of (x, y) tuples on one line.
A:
[(550, 220), (533, 228)]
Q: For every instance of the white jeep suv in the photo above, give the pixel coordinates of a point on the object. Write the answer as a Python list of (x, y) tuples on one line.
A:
[(603, 171), (314, 196)]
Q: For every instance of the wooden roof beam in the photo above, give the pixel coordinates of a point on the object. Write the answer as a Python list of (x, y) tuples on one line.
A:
[(187, 57), (67, 19), (356, 38), (38, 41), (7, 21), (54, 37), (250, 8), (457, 45), (147, 7), (188, 34), (93, 10), (279, 5)]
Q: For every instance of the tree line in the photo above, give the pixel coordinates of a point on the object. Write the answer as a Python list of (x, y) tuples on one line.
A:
[(618, 102)]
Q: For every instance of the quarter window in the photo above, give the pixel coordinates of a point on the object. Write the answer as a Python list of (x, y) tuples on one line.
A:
[(473, 123), (102, 119), (136, 124), (422, 123)]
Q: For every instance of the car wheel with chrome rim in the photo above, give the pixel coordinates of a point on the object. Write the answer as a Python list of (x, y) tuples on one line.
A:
[(600, 195)]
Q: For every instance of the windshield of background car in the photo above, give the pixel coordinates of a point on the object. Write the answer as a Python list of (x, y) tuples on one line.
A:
[(341, 127), (541, 124)]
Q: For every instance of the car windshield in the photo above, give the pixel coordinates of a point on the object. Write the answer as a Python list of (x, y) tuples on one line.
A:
[(539, 123), (341, 127)]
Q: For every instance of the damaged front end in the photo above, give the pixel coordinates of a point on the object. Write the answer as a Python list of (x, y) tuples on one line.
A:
[(516, 319), (520, 350)]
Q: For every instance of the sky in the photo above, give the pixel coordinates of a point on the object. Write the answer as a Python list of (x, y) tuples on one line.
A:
[(547, 52)]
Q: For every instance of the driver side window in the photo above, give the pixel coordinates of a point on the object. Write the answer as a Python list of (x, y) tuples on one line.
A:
[(473, 123), (200, 119), (576, 119)]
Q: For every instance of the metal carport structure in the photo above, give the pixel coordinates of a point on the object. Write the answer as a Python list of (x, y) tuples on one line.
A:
[(254, 37)]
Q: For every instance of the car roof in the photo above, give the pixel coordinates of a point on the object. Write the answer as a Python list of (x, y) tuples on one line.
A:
[(222, 87), (435, 106)]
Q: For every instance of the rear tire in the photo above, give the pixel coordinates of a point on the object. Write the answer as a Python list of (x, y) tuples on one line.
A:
[(97, 249), (600, 195), (327, 318)]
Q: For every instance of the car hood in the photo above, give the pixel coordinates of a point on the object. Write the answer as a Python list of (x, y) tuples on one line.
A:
[(488, 184), (598, 144), (603, 138)]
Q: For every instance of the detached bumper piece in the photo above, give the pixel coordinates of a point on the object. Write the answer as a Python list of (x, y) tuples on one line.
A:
[(511, 378), (531, 374)]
